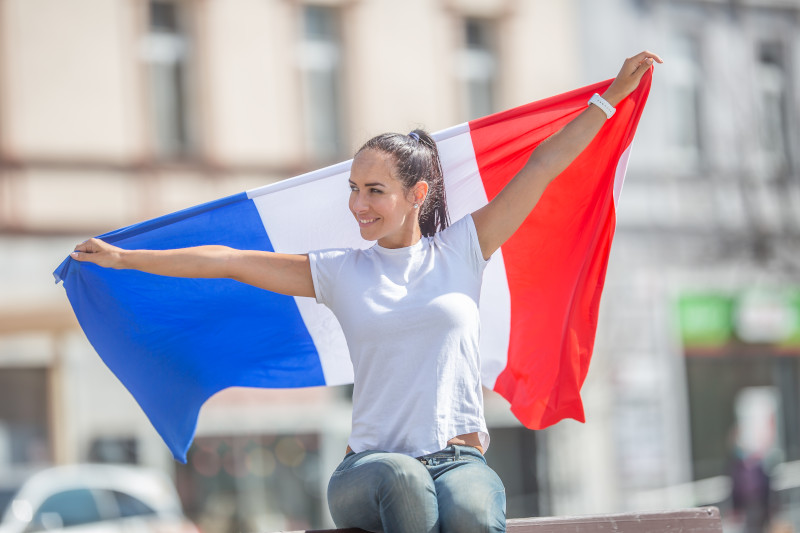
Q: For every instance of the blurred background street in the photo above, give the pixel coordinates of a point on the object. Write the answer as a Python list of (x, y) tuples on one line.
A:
[(117, 111)]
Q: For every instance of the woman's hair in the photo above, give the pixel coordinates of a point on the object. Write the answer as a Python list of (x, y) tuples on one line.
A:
[(416, 158)]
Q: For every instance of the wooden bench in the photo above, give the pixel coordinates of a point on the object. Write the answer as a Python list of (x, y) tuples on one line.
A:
[(699, 520)]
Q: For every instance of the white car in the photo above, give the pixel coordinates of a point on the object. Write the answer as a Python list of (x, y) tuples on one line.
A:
[(93, 498)]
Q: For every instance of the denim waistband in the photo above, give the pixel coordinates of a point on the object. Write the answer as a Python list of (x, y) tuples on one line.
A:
[(453, 452)]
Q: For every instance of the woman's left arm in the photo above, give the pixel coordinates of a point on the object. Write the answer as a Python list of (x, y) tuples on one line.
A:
[(500, 218)]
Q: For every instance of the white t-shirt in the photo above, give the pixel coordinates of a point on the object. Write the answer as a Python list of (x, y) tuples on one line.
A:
[(410, 318)]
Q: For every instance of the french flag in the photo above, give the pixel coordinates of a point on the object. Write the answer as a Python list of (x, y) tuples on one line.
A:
[(175, 342)]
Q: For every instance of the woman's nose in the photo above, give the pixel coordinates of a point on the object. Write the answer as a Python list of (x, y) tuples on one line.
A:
[(359, 202)]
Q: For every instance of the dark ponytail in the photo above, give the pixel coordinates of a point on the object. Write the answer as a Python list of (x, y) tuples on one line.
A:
[(416, 158)]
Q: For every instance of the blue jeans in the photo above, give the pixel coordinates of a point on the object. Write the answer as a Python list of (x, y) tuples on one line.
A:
[(452, 490)]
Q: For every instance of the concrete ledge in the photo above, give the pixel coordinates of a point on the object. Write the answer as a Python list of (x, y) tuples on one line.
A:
[(699, 520)]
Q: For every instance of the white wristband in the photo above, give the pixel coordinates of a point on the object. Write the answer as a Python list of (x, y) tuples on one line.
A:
[(604, 106)]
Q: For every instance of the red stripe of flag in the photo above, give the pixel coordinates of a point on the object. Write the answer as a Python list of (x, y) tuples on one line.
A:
[(556, 262)]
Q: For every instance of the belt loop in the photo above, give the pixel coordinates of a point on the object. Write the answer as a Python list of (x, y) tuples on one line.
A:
[(458, 452)]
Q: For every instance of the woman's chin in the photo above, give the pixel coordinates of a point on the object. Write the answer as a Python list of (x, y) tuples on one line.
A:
[(367, 235)]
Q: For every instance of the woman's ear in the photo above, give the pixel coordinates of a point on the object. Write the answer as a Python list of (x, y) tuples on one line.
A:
[(419, 192)]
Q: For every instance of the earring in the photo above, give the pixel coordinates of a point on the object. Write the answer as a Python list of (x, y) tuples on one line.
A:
[(416, 206)]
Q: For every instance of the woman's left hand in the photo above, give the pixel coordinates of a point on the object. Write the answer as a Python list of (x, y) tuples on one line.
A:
[(629, 76), (497, 221)]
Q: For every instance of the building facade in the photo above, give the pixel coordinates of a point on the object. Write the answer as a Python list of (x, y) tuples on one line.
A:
[(112, 112), (696, 363)]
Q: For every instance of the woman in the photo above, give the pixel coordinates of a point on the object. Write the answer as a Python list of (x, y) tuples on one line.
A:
[(408, 307)]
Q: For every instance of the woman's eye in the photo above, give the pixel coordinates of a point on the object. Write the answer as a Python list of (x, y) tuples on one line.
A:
[(376, 190), (353, 188)]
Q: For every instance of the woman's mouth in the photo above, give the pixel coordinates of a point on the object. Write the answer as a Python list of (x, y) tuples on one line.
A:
[(366, 221)]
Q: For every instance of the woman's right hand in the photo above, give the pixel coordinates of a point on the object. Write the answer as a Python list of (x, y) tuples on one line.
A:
[(98, 252)]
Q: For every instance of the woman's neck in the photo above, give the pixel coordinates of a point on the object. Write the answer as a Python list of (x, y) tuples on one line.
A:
[(404, 238)]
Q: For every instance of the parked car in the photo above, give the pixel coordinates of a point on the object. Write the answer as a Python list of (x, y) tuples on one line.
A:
[(92, 498)]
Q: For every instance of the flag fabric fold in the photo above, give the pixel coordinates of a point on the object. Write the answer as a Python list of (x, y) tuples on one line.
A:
[(175, 342)]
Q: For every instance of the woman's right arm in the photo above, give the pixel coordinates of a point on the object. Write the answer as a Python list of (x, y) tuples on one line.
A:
[(282, 273)]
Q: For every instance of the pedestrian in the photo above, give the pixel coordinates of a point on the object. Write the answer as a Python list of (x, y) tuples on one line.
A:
[(408, 307)]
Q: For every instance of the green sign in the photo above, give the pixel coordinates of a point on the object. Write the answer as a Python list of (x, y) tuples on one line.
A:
[(713, 319), (706, 320)]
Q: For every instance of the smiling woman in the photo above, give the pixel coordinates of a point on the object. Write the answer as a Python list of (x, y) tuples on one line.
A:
[(408, 307), (410, 302)]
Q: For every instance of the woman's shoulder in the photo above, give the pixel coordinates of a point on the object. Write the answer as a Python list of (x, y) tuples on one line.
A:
[(327, 268), (334, 254), (462, 237), (462, 229)]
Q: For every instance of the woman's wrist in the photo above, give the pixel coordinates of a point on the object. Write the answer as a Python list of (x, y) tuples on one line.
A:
[(124, 259), (603, 105), (611, 97)]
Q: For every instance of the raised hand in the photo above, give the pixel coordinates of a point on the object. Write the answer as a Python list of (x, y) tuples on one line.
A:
[(629, 76)]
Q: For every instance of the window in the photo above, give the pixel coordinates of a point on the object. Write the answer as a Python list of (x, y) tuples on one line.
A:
[(715, 384), (130, 506), (684, 119), (273, 480), (65, 509), (114, 450), (478, 67), (516, 457), (771, 86), (166, 50), (321, 66), (24, 417)]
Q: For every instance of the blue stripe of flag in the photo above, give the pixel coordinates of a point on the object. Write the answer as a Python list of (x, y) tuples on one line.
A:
[(175, 342)]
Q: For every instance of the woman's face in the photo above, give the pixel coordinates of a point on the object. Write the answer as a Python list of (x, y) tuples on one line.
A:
[(384, 210)]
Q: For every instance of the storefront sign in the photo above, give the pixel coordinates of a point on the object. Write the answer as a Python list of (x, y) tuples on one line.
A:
[(712, 320)]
